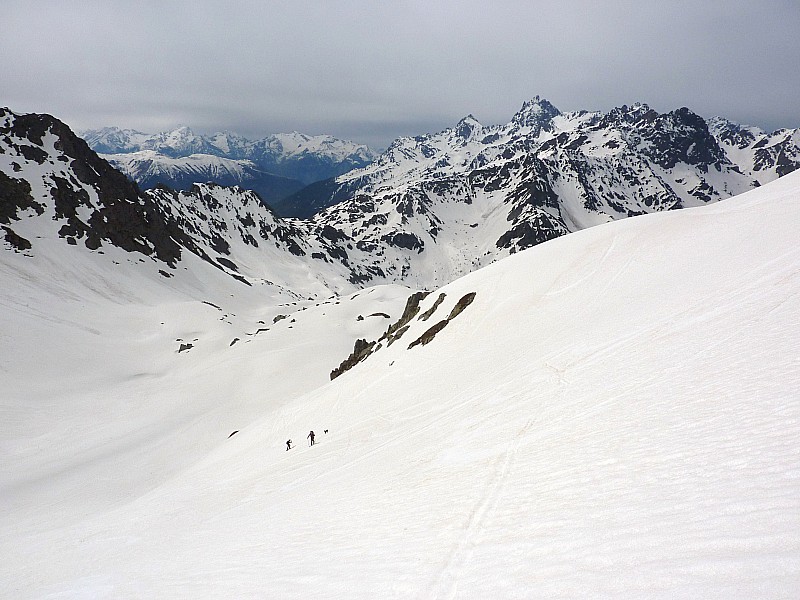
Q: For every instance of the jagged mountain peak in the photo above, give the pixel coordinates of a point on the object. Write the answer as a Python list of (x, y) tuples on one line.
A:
[(181, 141), (511, 187), (114, 140), (640, 113), (228, 142), (766, 155), (181, 130), (535, 113), (686, 116), (179, 133), (467, 127), (635, 113), (733, 133), (298, 135), (718, 124), (668, 139)]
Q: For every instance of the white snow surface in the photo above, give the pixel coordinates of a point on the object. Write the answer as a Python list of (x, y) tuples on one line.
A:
[(616, 415), (183, 142), (295, 143), (149, 163)]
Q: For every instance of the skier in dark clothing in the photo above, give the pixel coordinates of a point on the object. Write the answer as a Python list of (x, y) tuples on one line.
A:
[(288, 445), (311, 437)]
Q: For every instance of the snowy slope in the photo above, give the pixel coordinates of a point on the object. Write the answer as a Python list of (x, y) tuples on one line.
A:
[(148, 168), (614, 415), (113, 140)]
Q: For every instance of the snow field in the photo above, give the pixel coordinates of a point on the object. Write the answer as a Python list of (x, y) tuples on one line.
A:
[(615, 415)]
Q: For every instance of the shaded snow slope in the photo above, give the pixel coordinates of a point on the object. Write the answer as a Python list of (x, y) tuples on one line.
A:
[(149, 169), (614, 415)]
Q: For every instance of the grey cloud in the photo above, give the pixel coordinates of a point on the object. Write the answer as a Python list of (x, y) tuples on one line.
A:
[(371, 71)]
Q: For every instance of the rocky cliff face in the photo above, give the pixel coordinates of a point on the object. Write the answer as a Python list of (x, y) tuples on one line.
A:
[(51, 177)]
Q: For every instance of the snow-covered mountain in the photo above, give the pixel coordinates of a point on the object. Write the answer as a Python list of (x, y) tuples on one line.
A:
[(436, 207), (148, 168), (613, 413), (184, 142), (275, 167), (299, 156), (57, 195), (764, 156), (53, 186), (181, 141), (472, 194), (113, 140), (291, 155)]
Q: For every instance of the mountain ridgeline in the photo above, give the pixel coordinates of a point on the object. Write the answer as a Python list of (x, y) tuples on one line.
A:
[(275, 166), (428, 210)]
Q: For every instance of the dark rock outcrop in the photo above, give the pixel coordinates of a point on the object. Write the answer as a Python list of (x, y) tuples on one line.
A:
[(120, 215), (428, 336)]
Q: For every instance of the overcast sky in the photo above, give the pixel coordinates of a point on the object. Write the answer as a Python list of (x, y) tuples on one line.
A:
[(371, 70)]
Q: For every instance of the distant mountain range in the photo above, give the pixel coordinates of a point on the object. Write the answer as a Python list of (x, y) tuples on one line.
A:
[(275, 166), (428, 210), (149, 169)]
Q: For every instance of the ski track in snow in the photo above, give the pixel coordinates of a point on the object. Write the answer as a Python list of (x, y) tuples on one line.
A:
[(447, 581), (434, 420)]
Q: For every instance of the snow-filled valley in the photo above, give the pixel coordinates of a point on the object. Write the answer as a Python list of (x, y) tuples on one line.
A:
[(615, 414)]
